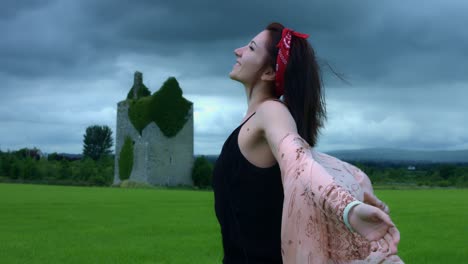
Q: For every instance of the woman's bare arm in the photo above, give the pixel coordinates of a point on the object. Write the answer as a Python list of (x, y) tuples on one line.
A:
[(276, 123)]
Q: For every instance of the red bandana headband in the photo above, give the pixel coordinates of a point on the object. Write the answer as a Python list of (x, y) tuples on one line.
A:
[(283, 55)]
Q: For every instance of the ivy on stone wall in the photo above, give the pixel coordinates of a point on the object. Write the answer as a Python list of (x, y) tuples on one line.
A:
[(166, 107), (139, 112), (126, 159), (143, 91)]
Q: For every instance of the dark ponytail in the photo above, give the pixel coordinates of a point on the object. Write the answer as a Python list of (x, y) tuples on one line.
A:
[(303, 92)]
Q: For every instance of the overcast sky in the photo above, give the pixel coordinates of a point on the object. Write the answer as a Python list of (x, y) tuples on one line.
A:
[(64, 65)]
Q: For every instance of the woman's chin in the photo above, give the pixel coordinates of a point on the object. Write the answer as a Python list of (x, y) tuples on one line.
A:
[(233, 76)]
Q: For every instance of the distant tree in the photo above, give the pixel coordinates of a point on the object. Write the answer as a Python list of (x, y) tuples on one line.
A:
[(64, 170), (31, 169), (97, 142), (202, 172), (86, 169), (105, 169), (53, 156), (2, 172), (447, 171), (7, 162), (16, 169)]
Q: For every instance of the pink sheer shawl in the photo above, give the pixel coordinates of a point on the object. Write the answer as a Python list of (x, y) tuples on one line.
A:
[(317, 187)]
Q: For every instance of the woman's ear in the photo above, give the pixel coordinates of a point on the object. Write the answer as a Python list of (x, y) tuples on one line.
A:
[(269, 74)]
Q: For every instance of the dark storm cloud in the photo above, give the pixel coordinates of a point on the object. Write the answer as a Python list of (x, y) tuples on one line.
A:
[(390, 42), (73, 60)]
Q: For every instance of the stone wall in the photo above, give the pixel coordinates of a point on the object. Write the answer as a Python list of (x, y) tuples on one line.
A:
[(157, 159)]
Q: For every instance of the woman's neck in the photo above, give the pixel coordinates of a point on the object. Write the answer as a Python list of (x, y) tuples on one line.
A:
[(258, 95)]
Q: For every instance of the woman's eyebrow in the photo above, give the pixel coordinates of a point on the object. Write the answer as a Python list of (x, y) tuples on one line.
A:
[(253, 43)]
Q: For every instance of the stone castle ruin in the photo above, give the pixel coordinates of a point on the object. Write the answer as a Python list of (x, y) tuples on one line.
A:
[(154, 135)]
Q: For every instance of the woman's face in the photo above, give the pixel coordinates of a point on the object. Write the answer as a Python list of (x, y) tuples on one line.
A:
[(251, 60)]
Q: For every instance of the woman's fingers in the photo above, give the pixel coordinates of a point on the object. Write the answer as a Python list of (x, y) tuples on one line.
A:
[(384, 207), (387, 244), (371, 199), (387, 209), (384, 245), (395, 234), (392, 249), (385, 218), (374, 246)]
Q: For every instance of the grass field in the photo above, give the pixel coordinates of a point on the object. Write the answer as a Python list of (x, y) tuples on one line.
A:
[(58, 224)]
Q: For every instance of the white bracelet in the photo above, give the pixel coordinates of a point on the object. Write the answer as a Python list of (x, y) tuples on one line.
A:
[(346, 212)]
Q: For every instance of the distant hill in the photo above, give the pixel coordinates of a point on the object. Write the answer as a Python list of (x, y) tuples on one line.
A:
[(393, 155), (400, 155)]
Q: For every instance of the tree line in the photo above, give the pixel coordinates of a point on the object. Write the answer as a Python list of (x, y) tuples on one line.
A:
[(428, 174), (94, 167)]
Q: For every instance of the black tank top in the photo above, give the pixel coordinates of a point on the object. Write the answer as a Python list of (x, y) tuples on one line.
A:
[(248, 205)]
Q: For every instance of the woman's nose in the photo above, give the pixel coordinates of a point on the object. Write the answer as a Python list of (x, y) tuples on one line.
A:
[(238, 52)]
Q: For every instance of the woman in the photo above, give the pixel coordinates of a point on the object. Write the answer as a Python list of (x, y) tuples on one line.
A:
[(267, 161)]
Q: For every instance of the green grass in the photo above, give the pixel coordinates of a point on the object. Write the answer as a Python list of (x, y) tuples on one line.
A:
[(433, 224), (57, 224)]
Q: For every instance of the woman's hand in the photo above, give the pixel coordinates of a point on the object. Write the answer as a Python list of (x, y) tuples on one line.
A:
[(375, 225), (371, 199)]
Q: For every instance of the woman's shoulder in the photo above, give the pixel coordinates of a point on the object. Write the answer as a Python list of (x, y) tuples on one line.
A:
[(273, 109), (270, 107), (274, 115)]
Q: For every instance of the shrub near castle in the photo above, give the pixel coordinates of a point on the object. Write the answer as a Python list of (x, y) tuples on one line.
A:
[(126, 159), (202, 172)]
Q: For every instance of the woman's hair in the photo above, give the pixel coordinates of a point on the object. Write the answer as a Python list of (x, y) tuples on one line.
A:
[(303, 93)]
